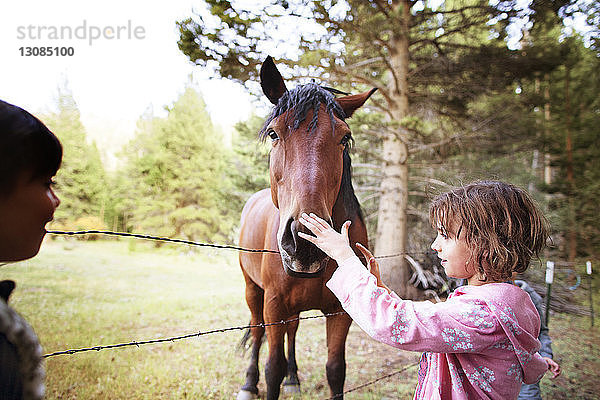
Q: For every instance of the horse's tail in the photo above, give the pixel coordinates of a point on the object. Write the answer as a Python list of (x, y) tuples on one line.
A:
[(247, 341)]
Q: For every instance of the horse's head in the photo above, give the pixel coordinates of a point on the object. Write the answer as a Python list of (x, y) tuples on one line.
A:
[(310, 144)]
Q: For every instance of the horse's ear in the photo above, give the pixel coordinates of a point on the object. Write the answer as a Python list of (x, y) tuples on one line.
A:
[(271, 81), (352, 103)]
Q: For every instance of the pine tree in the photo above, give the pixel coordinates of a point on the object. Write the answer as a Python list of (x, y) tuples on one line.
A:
[(249, 171), (573, 144), (81, 177), (177, 171)]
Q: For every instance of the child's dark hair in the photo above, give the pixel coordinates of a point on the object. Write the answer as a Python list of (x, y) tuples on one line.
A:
[(26, 145), (502, 226)]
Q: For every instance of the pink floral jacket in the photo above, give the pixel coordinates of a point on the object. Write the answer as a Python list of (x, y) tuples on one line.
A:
[(479, 344)]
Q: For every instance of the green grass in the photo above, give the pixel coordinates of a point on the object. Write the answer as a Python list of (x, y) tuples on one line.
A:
[(576, 347), (80, 294)]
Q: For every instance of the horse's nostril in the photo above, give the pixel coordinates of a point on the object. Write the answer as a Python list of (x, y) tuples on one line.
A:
[(294, 231), (301, 250), (289, 240)]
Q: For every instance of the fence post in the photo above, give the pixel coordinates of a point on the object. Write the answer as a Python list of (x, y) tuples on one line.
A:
[(549, 280), (588, 266)]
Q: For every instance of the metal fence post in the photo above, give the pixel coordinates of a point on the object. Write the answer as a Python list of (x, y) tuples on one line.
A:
[(588, 268), (549, 280)]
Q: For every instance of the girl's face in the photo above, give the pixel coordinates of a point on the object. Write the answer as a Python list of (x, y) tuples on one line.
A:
[(24, 214), (454, 253)]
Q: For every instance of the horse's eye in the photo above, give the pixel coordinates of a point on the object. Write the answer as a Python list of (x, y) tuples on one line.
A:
[(272, 134), (345, 140)]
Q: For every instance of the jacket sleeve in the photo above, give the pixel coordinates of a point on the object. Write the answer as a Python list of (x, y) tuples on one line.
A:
[(544, 336), (455, 326)]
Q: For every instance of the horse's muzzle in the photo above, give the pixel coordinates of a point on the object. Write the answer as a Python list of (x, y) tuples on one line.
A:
[(314, 272), (300, 258)]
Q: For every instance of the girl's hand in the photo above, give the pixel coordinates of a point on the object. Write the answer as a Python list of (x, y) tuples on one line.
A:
[(335, 245), (552, 367), (373, 265)]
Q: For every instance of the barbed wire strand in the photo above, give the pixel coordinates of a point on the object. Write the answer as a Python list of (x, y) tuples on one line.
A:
[(161, 239), (189, 242), (374, 381), (187, 336), (198, 334)]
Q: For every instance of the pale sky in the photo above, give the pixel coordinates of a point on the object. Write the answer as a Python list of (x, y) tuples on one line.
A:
[(113, 80)]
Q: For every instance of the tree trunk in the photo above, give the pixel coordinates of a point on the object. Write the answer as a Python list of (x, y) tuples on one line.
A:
[(547, 166), (536, 153), (393, 203), (572, 228)]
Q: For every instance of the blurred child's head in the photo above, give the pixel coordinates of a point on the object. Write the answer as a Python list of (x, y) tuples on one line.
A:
[(26, 147), (500, 223), (29, 157)]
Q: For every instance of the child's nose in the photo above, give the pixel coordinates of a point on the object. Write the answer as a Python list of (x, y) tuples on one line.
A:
[(55, 200), (435, 246)]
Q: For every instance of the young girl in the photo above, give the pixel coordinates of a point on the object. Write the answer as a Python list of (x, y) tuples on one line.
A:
[(481, 343), (30, 155)]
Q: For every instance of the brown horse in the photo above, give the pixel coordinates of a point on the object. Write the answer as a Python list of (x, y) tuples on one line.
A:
[(310, 172)]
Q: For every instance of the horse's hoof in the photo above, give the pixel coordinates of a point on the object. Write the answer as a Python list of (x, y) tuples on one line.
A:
[(291, 389), (246, 395)]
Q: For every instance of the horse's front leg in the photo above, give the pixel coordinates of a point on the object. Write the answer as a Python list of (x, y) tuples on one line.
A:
[(275, 368), (337, 330), (292, 383), (255, 300)]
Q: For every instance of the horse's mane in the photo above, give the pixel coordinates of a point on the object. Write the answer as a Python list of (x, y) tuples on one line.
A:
[(301, 100), (347, 190)]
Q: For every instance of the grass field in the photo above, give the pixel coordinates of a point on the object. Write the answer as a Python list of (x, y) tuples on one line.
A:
[(81, 294)]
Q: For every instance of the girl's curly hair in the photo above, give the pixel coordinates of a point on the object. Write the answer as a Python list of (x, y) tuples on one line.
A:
[(502, 226)]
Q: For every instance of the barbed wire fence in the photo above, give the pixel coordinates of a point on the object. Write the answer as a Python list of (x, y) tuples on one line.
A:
[(187, 336), (191, 242), (374, 381), (431, 282), (138, 343)]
